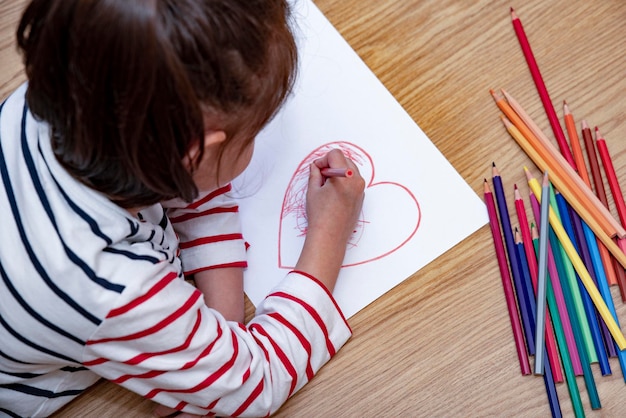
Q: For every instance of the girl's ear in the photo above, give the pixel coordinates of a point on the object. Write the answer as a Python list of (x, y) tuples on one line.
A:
[(212, 140)]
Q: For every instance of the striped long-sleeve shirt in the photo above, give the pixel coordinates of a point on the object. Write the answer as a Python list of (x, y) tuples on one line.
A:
[(88, 291)]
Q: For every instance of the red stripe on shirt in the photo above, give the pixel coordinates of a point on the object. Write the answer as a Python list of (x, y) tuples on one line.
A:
[(95, 362), (146, 375), (212, 195), (255, 394), (187, 365), (281, 355), (210, 240), (314, 315), (213, 211), (330, 295), (160, 285), (240, 264), (144, 356), (160, 325), (209, 380), (305, 343)]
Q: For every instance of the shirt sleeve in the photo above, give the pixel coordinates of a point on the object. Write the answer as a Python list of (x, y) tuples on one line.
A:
[(163, 343), (209, 230)]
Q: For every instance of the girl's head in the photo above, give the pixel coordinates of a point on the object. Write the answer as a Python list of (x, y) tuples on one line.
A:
[(131, 88)]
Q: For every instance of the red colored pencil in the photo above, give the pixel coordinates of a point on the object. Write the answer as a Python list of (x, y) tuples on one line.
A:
[(618, 199), (541, 87), (516, 325), (592, 157), (609, 170), (337, 172)]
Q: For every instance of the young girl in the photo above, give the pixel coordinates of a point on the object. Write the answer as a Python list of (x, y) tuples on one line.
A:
[(115, 166)]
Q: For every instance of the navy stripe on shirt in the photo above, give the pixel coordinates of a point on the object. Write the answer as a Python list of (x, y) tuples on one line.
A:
[(29, 250), (93, 225), (28, 159), (31, 390), (32, 311), (29, 343)]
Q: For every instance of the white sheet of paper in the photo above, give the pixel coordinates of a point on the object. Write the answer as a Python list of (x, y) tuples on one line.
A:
[(416, 205)]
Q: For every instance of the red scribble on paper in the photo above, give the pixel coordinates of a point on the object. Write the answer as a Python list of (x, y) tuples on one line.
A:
[(293, 220)]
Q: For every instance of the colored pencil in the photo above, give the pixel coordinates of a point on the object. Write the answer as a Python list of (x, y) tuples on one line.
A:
[(579, 340), (576, 228), (589, 330), (562, 173), (564, 304), (563, 345), (608, 298), (599, 352), (551, 345), (505, 222), (618, 199), (541, 87), (611, 177), (516, 326), (548, 376), (613, 269), (596, 175), (542, 270), (337, 172), (581, 210), (555, 288), (582, 272)]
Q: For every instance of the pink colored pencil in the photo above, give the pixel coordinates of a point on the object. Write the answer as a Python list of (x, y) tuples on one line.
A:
[(541, 87), (516, 325), (560, 299), (551, 347), (337, 172)]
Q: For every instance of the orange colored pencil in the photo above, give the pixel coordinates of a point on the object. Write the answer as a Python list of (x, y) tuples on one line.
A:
[(581, 210), (612, 269), (562, 174), (577, 151)]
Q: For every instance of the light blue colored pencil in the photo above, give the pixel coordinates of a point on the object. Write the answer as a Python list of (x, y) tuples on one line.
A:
[(541, 278)]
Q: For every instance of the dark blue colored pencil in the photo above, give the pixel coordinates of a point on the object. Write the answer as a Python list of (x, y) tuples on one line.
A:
[(505, 221)]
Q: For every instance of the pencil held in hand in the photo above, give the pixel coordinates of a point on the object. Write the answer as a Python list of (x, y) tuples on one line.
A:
[(337, 172)]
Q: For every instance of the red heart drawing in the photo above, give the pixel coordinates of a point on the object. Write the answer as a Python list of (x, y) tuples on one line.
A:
[(376, 235)]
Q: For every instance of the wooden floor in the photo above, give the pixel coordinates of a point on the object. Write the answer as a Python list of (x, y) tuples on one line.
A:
[(440, 344)]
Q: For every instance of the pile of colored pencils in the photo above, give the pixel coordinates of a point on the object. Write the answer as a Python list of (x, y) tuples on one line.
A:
[(557, 268)]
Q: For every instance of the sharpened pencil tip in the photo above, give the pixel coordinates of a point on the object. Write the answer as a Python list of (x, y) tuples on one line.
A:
[(493, 163), (495, 95), (599, 136), (585, 124), (529, 175), (546, 181), (513, 14)]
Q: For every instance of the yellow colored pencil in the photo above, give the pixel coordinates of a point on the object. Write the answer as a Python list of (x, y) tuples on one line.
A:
[(580, 268)]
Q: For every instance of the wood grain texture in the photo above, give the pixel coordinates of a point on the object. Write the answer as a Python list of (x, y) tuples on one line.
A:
[(440, 343)]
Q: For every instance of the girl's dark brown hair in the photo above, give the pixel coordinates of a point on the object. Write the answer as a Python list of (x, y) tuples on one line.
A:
[(125, 85)]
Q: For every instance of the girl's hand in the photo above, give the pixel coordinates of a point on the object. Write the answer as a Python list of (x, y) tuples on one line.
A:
[(333, 207)]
